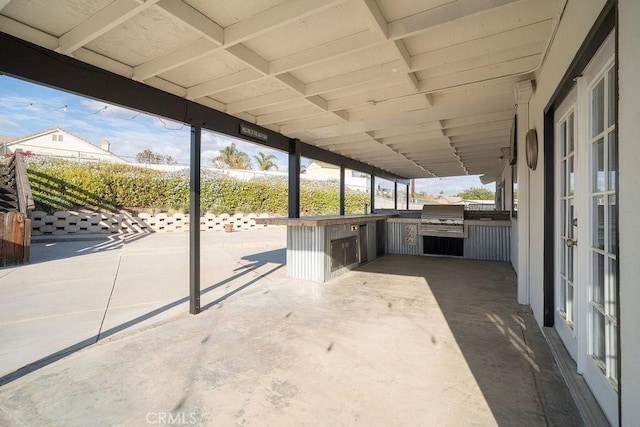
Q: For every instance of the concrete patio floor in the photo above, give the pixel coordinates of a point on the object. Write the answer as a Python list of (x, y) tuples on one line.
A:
[(403, 340)]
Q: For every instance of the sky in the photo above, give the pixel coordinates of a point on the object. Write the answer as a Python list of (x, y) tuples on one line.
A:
[(27, 108)]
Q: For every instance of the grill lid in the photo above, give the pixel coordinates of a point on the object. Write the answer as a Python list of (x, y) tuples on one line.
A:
[(442, 220)]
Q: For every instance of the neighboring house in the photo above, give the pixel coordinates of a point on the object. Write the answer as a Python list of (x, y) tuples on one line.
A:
[(317, 170), (59, 143), (322, 169)]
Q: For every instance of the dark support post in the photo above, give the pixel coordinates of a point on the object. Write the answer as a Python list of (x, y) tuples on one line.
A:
[(395, 195), (194, 221), (342, 190), (294, 179), (407, 196), (373, 193)]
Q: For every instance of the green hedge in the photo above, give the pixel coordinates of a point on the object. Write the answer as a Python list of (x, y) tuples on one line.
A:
[(65, 185)]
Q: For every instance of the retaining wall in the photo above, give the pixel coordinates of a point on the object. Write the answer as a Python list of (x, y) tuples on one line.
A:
[(71, 222)]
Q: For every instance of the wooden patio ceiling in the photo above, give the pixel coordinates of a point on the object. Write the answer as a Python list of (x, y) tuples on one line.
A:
[(417, 88)]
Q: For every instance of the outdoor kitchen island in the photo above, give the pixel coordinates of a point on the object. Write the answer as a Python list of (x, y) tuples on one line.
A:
[(324, 247)]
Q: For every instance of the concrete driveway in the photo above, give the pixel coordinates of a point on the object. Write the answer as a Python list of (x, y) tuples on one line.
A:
[(74, 292)]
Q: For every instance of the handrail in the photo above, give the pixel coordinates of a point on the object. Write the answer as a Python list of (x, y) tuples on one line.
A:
[(23, 188)]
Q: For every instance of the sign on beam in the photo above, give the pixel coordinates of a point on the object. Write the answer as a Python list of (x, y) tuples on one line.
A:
[(253, 132)]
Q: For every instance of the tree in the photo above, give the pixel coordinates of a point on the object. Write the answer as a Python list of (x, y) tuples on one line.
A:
[(265, 162), (232, 158), (148, 157), (477, 193)]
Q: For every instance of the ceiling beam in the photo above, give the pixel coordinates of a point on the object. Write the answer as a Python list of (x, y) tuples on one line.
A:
[(478, 62), (99, 23), (372, 96), (250, 58), (413, 138), (261, 101), (196, 20), (482, 118), (345, 139), (491, 44), (171, 60), (495, 133), (492, 72), (320, 120), (227, 82), (354, 78), (284, 115), (479, 128), (277, 16), (333, 49), (267, 20), (418, 22)]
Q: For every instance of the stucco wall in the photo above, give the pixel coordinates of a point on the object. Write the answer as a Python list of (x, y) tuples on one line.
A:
[(577, 20), (629, 205)]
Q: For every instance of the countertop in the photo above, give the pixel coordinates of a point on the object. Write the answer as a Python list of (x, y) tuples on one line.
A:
[(323, 221)]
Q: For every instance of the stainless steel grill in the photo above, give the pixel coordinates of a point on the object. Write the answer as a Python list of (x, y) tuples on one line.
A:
[(442, 221)]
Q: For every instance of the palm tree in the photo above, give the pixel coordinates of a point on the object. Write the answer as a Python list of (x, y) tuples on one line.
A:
[(265, 162), (232, 158)]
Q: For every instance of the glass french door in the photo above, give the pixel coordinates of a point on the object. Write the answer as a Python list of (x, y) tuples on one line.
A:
[(566, 223), (586, 235), (602, 308)]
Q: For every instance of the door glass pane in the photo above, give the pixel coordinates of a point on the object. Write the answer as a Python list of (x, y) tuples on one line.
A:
[(562, 283), (611, 99), (613, 159), (562, 223), (562, 262), (598, 165), (612, 229), (571, 174), (570, 213), (597, 109), (612, 287), (570, 263), (598, 278), (569, 302), (597, 346), (562, 137), (563, 178), (598, 222), (570, 133), (612, 359)]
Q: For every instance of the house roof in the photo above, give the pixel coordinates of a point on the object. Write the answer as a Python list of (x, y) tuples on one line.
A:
[(59, 129), (5, 139), (417, 88)]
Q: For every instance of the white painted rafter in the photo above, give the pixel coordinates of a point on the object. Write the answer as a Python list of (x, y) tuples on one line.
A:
[(93, 27), (196, 20), (449, 12), (277, 16)]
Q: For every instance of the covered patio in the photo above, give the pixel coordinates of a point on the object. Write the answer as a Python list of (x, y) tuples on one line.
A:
[(396, 90)]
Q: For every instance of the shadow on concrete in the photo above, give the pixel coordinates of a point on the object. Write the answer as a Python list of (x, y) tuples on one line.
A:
[(499, 339), (276, 256), (45, 251), (260, 259)]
